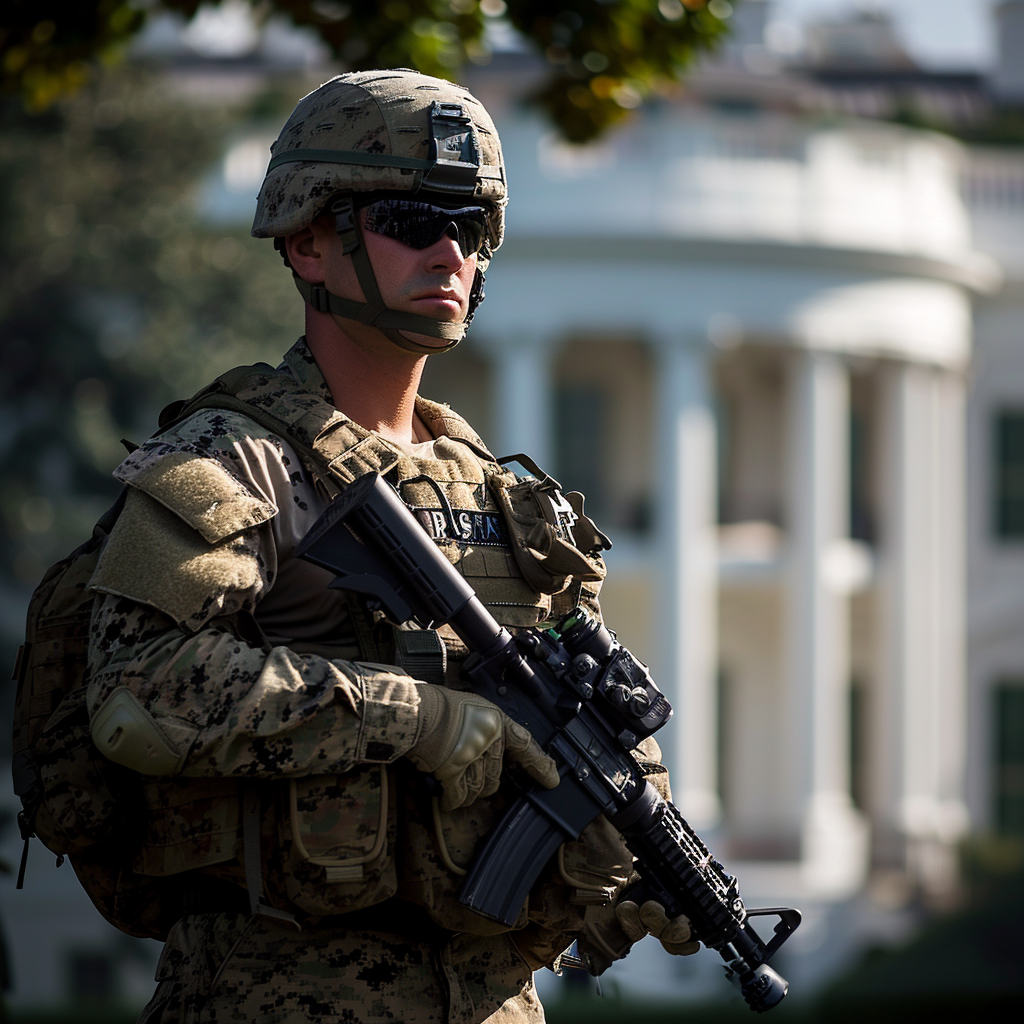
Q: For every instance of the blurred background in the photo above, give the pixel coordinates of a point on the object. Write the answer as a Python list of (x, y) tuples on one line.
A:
[(760, 299)]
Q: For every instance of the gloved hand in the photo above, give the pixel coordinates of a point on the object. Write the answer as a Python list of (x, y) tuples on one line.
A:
[(651, 919), (461, 740)]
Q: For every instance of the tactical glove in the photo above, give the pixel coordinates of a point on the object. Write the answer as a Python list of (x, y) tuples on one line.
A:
[(651, 919), (461, 739)]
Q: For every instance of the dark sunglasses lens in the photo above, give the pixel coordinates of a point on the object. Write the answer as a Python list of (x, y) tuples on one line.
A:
[(420, 225), (471, 234)]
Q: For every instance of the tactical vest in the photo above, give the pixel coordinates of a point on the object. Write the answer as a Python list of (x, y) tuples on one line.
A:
[(335, 844)]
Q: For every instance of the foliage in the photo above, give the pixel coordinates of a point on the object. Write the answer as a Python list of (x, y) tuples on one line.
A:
[(610, 57), (605, 56), (1004, 128), (968, 961), (47, 45), (113, 300)]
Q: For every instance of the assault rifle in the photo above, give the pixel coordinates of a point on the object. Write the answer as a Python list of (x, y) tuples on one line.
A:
[(586, 700)]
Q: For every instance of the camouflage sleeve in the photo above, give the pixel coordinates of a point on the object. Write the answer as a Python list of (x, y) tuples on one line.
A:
[(202, 546), (230, 708)]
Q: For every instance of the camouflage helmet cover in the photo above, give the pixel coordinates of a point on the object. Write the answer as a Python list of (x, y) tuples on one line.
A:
[(393, 130)]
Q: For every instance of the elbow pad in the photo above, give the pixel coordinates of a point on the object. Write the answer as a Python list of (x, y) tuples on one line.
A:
[(127, 734)]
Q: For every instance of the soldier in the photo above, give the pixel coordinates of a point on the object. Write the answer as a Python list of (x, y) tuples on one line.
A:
[(312, 778)]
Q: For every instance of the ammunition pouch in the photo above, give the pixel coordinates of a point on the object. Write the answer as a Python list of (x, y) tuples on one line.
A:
[(332, 851), (544, 525)]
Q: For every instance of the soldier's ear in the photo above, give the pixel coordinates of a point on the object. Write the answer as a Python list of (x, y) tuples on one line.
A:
[(305, 255)]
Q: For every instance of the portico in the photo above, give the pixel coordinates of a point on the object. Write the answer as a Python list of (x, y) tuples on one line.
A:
[(761, 608)]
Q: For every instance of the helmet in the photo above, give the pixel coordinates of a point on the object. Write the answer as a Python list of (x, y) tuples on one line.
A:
[(391, 131)]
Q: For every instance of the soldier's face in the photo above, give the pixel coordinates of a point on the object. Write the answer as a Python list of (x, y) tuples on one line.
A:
[(433, 282)]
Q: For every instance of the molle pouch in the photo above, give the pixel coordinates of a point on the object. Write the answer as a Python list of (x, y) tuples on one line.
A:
[(548, 531), (334, 843), (448, 494), (187, 823), (133, 903), (436, 850)]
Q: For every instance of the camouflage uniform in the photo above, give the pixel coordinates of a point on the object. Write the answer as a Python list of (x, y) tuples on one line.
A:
[(256, 675)]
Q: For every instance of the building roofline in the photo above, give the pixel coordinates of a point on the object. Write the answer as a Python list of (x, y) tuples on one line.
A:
[(976, 271)]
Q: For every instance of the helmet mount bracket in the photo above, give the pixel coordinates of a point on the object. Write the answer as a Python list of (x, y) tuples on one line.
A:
[(454, 150)]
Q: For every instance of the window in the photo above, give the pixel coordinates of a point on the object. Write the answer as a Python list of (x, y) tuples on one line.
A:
[(1008, 756), (581, 415), (1008, 474), (862, 525), (724, 500), (857, 740), (725, 697), (602, 422)]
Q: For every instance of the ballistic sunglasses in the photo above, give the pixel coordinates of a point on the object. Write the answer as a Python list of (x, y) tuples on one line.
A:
[(420, 224)]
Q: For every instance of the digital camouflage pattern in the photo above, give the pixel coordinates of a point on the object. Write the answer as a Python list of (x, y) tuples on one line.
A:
[(252, 670), (229, 968), (384, 114)]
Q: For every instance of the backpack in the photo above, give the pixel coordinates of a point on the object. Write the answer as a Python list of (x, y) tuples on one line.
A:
[(66, 787), (73, 799)]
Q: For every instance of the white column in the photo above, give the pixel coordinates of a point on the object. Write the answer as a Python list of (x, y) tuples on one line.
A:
[(832, 835), (523, 393), (951, 500), (687, 557), (917, 786)]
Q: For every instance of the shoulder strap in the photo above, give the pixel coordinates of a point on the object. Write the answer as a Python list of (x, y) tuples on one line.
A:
[(453, 425), (299, 423), (227, 383), (337, 449)]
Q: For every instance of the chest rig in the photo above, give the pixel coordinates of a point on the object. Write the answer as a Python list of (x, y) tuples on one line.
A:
[(515, 539)]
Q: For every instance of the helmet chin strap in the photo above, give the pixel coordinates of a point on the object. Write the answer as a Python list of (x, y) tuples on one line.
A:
[(373, 312)]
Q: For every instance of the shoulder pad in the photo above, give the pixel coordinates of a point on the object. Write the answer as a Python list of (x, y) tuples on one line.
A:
[(181, 470), (154, 557)]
